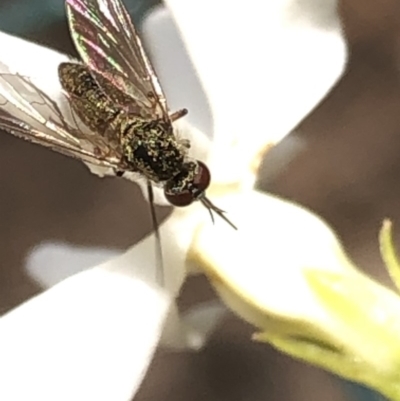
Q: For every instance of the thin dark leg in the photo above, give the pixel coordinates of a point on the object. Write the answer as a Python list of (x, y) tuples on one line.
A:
[(178, 114), (158, 250)]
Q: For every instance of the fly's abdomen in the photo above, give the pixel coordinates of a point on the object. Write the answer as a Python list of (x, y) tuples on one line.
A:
[(151, 147), (88, 101)]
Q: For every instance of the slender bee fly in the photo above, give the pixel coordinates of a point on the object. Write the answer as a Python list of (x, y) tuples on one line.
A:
[(115, 93)]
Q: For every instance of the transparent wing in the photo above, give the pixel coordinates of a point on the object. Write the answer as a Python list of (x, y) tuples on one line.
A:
[(27, 112), (110, 46)]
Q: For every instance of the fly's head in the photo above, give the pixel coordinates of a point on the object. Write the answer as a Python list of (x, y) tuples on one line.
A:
[(190, 185)]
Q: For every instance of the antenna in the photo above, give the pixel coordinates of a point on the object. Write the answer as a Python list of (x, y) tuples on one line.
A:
[(212, 208)]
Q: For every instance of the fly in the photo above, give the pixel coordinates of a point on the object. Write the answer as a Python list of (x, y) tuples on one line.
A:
[(114, 92)]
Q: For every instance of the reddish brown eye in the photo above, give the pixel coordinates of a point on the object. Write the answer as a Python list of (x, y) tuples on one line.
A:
[(180, 199), (201, 180), (188, 185)]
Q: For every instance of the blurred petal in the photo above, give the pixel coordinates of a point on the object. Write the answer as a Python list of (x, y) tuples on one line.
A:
[(51, 262), (175, 70), (33, 60), (263, 67), (364, 346), (202, 320), (285, 272), (279, 157), (192, 328), (388, 253), (90, 337), (259, 269)]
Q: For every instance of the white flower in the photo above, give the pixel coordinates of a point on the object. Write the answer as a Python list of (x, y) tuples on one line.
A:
[(263, 67)]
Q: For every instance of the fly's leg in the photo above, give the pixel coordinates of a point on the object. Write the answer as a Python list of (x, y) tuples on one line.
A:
[(178, 114), (160, 279), (185, 143)]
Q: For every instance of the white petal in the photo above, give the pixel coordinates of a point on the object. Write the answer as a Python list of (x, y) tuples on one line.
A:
[(90, 337), (50, 263), (259, 269), (263, 67), (31, 59), (202, 320), (41, 261), (140, 260), (191, 329), (175, 69)]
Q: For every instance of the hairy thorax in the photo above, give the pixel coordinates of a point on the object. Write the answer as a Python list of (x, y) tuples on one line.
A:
[(152, 149)]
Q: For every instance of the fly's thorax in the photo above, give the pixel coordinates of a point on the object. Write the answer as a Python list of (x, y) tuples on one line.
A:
[(151, 148), (189, 184)]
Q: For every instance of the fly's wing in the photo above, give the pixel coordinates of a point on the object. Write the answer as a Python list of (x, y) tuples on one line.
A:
[(110, 46), (28, 113)]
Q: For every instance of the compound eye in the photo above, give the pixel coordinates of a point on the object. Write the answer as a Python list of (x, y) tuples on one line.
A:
[(191, 190), (180, 199)]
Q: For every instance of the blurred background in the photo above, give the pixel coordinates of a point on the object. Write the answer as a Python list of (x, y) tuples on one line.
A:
[(348, 171)]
